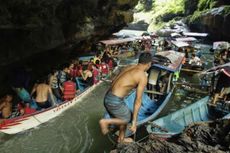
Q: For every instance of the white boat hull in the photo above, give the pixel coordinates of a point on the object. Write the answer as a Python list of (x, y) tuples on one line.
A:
[(22, 123)]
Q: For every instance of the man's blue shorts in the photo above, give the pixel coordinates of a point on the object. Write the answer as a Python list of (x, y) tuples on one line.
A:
[(116, 107)]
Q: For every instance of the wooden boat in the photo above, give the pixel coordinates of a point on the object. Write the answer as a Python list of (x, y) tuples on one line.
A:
[(25, 122), (159, 88), (129, 52), (175, 123), (192, 69), (199, 111), (86, 58)]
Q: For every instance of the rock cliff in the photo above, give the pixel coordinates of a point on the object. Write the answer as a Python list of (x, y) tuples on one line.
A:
[(28, 27), (211, 17)]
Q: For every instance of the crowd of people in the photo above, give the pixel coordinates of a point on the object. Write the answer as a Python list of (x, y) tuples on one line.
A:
[(60, 85)]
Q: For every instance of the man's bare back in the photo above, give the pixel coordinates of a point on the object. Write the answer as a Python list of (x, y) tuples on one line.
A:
[(42, 92), (127, 80), (133, 77)]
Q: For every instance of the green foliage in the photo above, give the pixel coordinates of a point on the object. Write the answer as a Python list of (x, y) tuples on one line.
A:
[(195, 16), (140, 6), (206, 4), (168, 6), (164, 11), (226, 9)]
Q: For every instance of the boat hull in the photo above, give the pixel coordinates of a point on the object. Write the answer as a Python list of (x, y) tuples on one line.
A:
[(25, 122), (176, 122)]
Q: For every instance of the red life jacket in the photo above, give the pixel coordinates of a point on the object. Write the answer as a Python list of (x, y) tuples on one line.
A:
[(69, 90), (95, 76)]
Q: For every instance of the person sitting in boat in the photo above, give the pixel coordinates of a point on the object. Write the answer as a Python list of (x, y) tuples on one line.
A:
[(72, 70), (53, 82), (90, 64), (43, 92), (23, 94), (163, 81), (132, 77), (96, 74), (222, 86), (79, 68), (195, 60), (87, 76), (104, 68), (106, 56), (69, 89), (224, 57), (6, 106), (24, 109), (97, 57), (62, 75)]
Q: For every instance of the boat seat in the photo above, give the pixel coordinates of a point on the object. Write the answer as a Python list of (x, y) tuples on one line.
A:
[(153, 92)]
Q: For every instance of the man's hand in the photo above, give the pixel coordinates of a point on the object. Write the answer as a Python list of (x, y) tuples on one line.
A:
[(133, 128)]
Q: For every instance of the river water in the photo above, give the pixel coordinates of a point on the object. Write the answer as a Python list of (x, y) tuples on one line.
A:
[(77, 130)]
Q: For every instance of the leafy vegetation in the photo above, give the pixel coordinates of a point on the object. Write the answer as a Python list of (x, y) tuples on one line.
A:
[(161, 11), (227, 9), (206, 4)]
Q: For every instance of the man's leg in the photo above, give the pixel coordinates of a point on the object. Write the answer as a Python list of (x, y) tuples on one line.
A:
[(121, 138), (104, 123)]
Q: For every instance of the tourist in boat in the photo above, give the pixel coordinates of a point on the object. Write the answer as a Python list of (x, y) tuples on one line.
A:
[(90, 64), (23, 94), (224, 57), (87, 76), (96, 74), (133, 77), (195, 60), (24, 109), (97, 57), (72, 70), (62, 75), (104, 68), (53, 82), (6, 106), (79, 68), (43, 91), (222, 86), (106, 56)]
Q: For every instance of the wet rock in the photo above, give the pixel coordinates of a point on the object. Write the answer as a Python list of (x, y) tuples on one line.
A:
[(214, 21), (206, 137), (28, 27)]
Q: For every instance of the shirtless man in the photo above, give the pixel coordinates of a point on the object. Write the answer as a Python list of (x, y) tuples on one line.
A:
[(42, 94), (6, 106), (133, 77)]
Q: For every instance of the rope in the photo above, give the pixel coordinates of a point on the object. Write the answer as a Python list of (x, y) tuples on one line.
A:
[(134, 136)]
